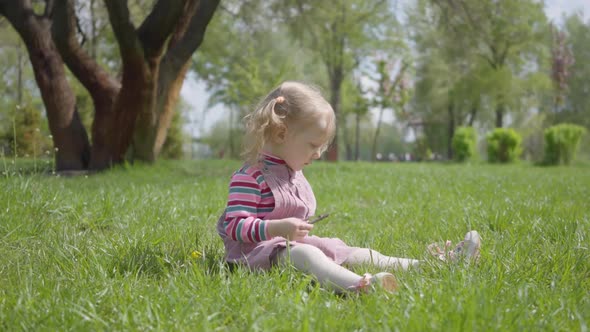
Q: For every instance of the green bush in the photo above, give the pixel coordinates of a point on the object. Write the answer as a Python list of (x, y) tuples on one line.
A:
[(464, 144), (504, 145), (562, 142)]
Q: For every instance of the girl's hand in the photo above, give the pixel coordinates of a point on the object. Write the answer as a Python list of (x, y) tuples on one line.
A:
[(293, 229)]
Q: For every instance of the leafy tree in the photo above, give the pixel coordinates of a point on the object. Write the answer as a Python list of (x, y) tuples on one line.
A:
[(339, 32), (508, 35), (392, 93), (355, 104), (576, 107), (138, 106), (449, 84)]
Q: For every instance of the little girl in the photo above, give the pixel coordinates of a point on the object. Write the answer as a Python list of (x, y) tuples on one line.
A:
[(265, 222)]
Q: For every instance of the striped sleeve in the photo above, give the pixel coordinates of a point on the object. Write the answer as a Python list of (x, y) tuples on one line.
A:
[(246, 207)]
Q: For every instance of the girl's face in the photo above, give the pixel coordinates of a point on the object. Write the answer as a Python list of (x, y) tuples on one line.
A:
[(302, 143)]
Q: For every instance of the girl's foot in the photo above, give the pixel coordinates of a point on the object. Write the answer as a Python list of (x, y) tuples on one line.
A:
[(467, 249), (369, 282)]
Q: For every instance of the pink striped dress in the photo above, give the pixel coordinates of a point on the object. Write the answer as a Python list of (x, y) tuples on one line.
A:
[(270, 190)]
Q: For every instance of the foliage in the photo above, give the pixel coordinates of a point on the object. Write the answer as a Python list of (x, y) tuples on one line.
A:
[(576, 104), (464, 144), (562, 142), (486, 48), (27, 133), (224, 140), (562, 60), (503, 145)]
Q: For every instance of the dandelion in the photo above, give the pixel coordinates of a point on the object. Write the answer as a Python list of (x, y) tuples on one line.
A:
[(196, 254)]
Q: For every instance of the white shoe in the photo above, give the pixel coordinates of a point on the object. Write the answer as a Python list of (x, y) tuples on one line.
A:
[(467, 249)]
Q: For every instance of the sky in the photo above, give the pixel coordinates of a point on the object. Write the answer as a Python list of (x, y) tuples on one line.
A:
[(201, 118)]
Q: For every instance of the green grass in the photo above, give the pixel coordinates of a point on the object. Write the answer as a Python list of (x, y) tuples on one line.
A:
[(113, 251)]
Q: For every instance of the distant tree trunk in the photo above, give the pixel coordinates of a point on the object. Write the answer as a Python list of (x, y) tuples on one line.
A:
[(69, 136), (346, 138), (336, 78), (376, 136), (500, 109), (357, 136), (451, 130), (472, 115)]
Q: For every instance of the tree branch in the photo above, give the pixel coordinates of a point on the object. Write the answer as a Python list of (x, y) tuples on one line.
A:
[(129, 43), (96, 80), (182, 50), (159, 25), (16, 13)]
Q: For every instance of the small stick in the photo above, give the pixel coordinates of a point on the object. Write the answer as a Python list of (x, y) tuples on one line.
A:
[(320, 217)]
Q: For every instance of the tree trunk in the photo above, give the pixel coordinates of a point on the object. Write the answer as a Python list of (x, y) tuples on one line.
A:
[(336, 78), (357, 136), (69, 136), (500, 115), (451, 130), (472, 116), (376, 136), (346, 138), (155, 59), (102, 88), (165, 109), (186, 39)]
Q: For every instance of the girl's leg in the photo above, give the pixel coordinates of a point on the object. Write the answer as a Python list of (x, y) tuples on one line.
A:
[(368, 256), (312, 260)]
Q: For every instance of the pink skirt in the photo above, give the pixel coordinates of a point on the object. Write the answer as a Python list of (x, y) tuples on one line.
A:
[(263, 255)]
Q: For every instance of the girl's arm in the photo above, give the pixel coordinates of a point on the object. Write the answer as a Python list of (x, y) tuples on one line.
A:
[(249, 200)]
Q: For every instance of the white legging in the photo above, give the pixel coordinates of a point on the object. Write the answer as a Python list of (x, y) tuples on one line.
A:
[(311, 260)]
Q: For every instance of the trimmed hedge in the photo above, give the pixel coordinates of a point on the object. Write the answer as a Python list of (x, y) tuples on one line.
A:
[(464, 144), (504, 145), (562, 142)]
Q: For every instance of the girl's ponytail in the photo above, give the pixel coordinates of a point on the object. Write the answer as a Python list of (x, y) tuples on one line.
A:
[(261, 124)]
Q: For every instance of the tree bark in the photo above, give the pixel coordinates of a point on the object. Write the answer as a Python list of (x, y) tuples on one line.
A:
[(69, 136)]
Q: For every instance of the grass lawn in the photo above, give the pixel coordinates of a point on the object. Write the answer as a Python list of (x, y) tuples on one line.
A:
[(116, 251)]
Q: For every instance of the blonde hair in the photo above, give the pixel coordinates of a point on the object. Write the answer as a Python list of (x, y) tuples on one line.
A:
[(289, 103)]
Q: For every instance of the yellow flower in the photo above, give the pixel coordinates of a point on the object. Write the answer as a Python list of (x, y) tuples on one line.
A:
[(196, 254)]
